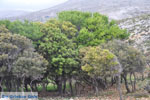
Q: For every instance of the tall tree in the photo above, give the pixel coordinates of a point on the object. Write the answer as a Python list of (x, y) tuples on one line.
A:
[(60, 51)]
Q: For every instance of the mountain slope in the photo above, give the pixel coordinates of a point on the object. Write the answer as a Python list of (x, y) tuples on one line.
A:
[(139, 27), (12, 13), (116, 9)]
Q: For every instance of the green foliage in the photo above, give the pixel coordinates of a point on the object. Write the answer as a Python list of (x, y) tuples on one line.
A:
[(65, 27), (75, 17), (17, 57), (99, 62), (132, 60), (94, 29), (3, 29), (60, 51), (31, 65), (5, 22), (58, 40), (29, 29), (89, 30)]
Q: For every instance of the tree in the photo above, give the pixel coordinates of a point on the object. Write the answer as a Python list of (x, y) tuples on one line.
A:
[(28, 29), (75, 17), (99, 63), (131, 59), (66, 27), (18, 60), (5, 22), (3, 29), (60, 52), (93, 28)]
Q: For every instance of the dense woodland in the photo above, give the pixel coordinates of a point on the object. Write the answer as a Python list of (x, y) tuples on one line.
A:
[(80, 50)]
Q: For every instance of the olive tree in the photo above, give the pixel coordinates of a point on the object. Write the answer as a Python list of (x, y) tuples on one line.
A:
[(100, 63), (19, 61), (131, 59)]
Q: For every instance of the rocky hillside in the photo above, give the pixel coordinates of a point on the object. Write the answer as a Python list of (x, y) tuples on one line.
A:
[(115, 9), (139, 27)]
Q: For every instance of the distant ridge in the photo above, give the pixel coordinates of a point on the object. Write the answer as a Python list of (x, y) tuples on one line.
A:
[(115, 9), (12, 13)]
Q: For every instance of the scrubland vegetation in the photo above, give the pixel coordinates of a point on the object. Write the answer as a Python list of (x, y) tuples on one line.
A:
[(76, 54)]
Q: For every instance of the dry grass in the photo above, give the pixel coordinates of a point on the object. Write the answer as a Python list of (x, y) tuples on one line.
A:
[(110, 94)]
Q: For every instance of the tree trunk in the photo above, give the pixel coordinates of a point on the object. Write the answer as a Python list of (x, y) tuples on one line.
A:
[(36, 86), (44, 86), (121, 79), (126, 83), (96, 87), (8, 84), (22, 88), (1, 87), (64, 86), (119, 87), (26, 87), (59, 86), (113, 81), (71, 88), (131, 82), (142, 76), (13, 84), (134, 82), (106, 80)]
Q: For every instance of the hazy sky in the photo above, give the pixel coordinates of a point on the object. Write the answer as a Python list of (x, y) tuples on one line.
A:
[(30, 5)]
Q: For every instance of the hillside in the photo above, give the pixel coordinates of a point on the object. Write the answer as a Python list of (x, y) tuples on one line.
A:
[(115, 9), (12, 13), (139, 27)]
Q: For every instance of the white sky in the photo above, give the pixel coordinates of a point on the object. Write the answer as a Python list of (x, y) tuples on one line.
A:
[(30, 5)]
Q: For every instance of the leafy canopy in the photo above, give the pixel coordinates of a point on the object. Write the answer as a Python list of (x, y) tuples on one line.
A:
[(28, 29), (17, 57), (93, 28), (59, 50), (99, 62), (132, 60)]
